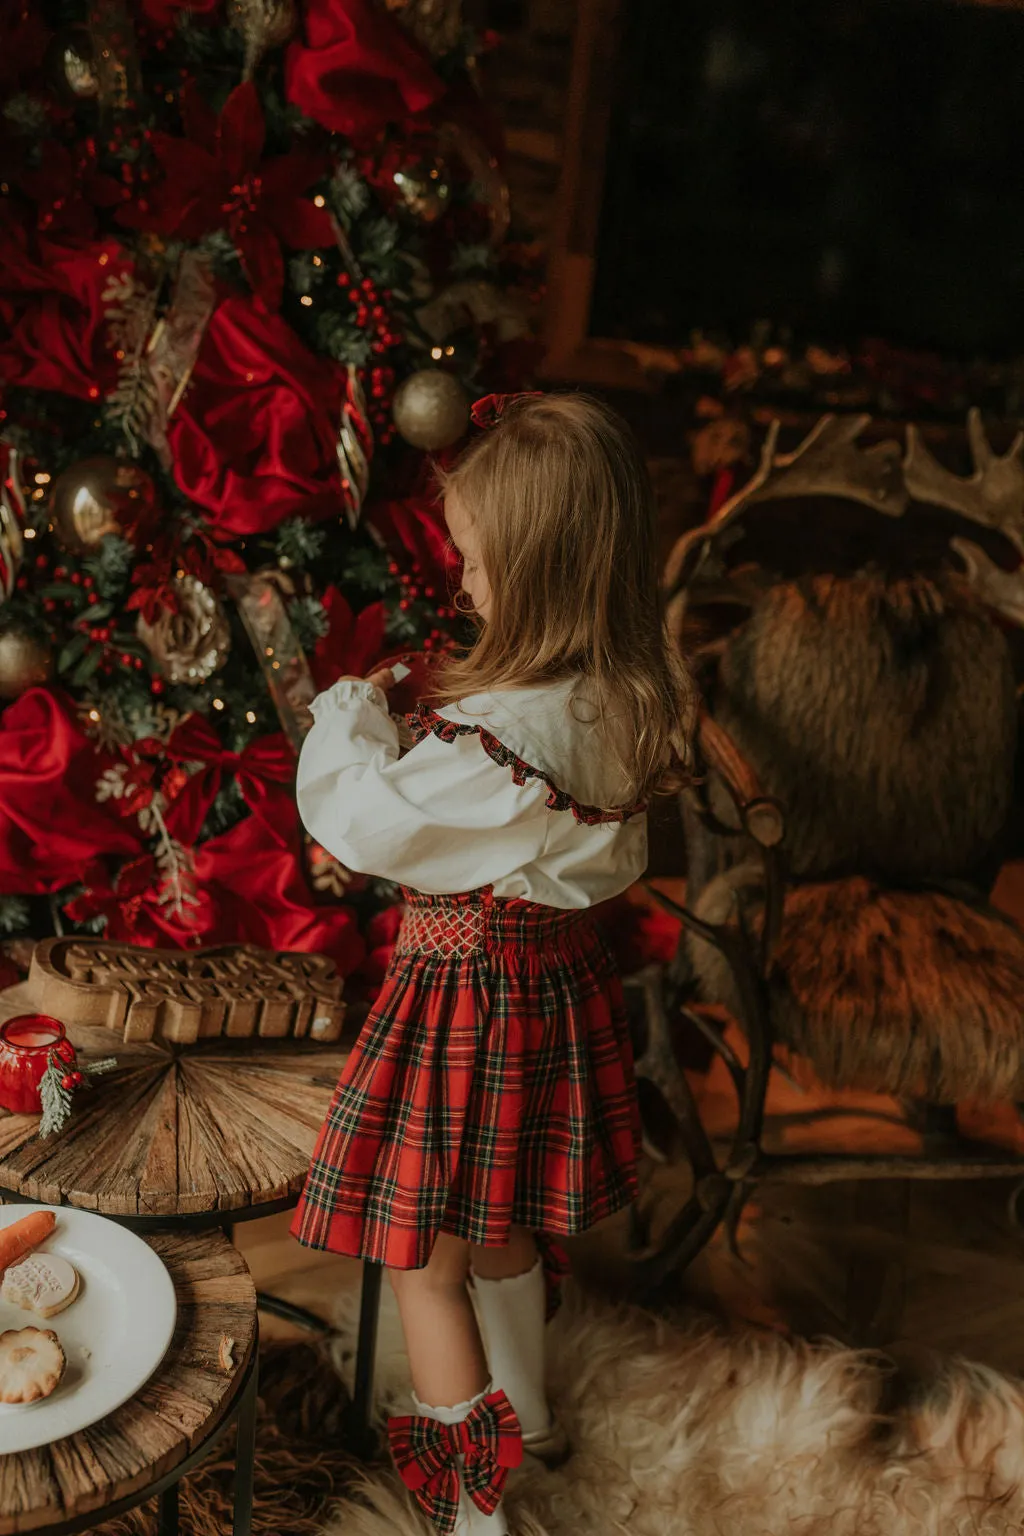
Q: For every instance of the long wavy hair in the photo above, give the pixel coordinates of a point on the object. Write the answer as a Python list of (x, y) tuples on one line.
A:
[(563, 510)]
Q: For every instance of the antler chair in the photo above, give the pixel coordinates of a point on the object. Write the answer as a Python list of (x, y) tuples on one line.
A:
[(856, 755)]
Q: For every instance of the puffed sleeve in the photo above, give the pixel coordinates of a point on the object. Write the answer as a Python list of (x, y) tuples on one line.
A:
[(443, 818)]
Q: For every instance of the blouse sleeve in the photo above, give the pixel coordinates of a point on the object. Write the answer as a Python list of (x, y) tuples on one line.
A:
[(441, 819)]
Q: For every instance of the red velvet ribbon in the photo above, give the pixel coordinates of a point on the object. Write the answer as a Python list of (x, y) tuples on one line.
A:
[(51, 825), (488, 411), (260, 769), (490, 1440)]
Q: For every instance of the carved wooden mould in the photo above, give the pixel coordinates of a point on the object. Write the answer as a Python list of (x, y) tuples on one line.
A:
[(235, 991)]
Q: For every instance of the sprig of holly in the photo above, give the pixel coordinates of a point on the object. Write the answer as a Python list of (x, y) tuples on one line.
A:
[(59, 1081)]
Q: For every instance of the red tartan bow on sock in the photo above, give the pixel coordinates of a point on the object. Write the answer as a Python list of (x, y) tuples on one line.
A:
[(489, 411), (488, 1437)]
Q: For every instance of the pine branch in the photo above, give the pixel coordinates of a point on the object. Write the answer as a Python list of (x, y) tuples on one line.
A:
[(131, 311), (309, 620)]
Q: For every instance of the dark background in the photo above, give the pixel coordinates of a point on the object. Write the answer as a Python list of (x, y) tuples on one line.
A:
[(848, 169)]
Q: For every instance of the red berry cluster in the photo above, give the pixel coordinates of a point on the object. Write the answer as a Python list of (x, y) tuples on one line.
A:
[(74, 612), (372, 313), (382, 385), (412, 592)]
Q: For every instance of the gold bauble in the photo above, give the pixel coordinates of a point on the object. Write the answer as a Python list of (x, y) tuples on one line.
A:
[(96, 497), (431, 409), (189, 644), (425, 189), (25, 662), (72, 68)]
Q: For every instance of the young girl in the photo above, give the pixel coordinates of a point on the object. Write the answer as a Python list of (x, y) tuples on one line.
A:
[(490, 1099)]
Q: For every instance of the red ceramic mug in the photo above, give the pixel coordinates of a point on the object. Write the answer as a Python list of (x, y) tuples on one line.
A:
[(25, 1046)]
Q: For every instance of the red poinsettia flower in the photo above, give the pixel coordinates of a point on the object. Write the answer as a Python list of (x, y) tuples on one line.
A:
[(215, 178), (352, 644)]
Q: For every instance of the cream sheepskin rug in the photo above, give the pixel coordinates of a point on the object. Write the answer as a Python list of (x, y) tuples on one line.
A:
[(682, 1430)]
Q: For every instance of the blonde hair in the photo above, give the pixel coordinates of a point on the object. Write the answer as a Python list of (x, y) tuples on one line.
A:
[(562, 507)]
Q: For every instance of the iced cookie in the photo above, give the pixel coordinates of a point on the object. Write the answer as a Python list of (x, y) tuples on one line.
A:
[(43, 1283), (31, 1364)]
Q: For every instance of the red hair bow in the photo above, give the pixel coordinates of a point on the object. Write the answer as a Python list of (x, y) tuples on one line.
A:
[(489, 411), (425, 1454)]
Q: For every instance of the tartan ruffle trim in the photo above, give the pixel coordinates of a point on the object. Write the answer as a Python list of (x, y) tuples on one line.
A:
[(426, 721)]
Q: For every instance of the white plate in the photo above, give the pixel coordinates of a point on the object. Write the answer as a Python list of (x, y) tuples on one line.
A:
[(114, 1334)]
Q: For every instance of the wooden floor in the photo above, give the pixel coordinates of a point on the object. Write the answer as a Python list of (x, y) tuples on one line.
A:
[(913, 1265)]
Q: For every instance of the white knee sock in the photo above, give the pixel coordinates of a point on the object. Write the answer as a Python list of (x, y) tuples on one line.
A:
[(471, 1520), (511, 1314)]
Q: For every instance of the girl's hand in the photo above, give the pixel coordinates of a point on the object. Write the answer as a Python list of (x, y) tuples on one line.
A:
[(383, 679)]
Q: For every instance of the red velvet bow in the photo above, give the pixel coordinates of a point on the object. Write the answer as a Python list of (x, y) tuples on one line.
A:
[(488, 411), (359, 69), (259, 769), (489, 1438), (53, 316), (255, 437), (51, 825)]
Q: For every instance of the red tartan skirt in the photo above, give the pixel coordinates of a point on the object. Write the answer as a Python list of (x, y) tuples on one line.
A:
[(491, 1085)]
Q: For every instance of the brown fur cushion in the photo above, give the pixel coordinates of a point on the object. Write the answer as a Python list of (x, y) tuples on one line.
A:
[(900, 992), (882, 713)]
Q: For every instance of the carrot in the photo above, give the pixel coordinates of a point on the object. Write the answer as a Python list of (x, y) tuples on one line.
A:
[(24, 1235)]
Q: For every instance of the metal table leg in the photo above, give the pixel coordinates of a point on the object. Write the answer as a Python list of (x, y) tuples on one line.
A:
[(276, 1306), (167, 1512), (245, 1456), (363, 1436)]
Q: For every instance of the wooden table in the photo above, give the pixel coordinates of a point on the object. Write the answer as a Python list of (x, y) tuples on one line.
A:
[(171, 1424), (214, 1132), (196, 1136)]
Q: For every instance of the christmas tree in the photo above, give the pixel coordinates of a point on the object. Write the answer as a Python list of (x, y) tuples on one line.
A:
[(254, 266)]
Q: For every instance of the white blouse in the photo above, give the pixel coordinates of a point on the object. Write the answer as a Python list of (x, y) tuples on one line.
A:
[(501, 791)]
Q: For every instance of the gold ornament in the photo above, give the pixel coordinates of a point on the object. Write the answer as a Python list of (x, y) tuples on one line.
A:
[(355, 444), (188, 646), (12, 517), (431, 409), (263, 24), (425, 189), (279, 654), (25, 662), (96, 497), (435, 24), (71, 63)]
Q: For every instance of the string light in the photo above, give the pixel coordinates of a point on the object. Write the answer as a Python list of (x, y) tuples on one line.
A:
[(437, 353), (94, 714), (250, 717), (30, 533), (218, 703), (42, 478), (180, 575), (319, 201), (449, 351), (306, 300), (317, 261), (269, 650)]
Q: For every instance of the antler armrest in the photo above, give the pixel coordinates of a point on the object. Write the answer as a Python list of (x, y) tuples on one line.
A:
[(760, 815)]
